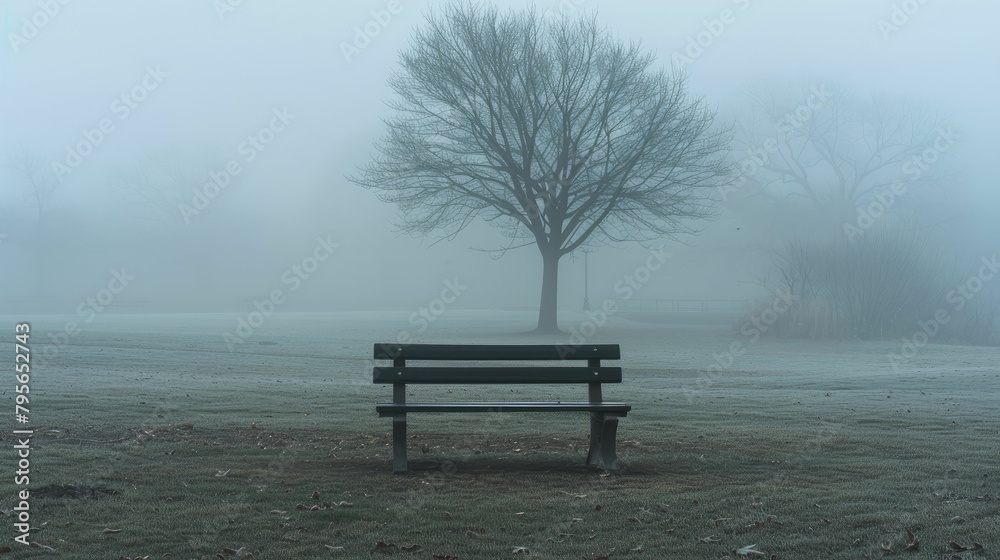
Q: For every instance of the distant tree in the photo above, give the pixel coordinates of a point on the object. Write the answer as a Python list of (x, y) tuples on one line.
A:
[(849, 177), (833, 158), (549, 128), (879, 287), (36, 179), (31, 192), (160, 184)]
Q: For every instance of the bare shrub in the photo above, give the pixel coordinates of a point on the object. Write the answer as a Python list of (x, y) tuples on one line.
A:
[(874, 288)]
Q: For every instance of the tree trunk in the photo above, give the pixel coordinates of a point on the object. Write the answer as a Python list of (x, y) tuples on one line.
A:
[(547, 322)]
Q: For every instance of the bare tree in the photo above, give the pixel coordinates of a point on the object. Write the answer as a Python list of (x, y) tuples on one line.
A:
[(34, 185), (879, 287), (824, 154), (159, 184), (37, 179), (550, 129)]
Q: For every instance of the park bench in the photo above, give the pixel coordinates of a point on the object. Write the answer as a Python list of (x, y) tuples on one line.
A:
[(603, 415)]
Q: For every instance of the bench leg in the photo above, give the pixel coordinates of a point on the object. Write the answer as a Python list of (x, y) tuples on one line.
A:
[(596, 436), (399, 443), (608, 452), (603, 432)]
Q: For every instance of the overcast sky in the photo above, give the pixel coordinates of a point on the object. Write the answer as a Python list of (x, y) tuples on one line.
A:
[(200, 77)]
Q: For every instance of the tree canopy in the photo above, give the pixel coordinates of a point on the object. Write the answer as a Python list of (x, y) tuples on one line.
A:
[(553, 130)]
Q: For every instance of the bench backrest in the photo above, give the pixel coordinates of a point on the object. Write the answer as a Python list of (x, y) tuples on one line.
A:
[(593, 373), (489, 352)]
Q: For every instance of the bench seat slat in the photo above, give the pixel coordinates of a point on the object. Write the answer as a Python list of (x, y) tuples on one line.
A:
[(388, 409), (496, 375), (477, 352)]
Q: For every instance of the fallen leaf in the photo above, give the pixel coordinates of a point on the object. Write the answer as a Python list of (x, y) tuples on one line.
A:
[(956, 547), (315, 495), (521, 550), (748, 550), (633, 519), (709, 539), (913, 543), (382, 545), (598, 507), (411, 547)]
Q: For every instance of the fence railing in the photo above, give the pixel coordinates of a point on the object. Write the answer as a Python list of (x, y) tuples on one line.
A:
[(651, 305)]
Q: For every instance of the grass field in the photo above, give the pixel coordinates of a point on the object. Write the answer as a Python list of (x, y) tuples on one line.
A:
[(806, 449)]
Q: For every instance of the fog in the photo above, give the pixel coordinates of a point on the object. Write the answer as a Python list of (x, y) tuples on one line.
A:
[(279, 102)]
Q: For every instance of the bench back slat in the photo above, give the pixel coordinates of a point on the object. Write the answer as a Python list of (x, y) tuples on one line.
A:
[(477, 352), (476, 375)]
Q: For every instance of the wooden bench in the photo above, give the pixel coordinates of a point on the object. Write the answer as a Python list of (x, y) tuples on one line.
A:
[(603, 415)]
